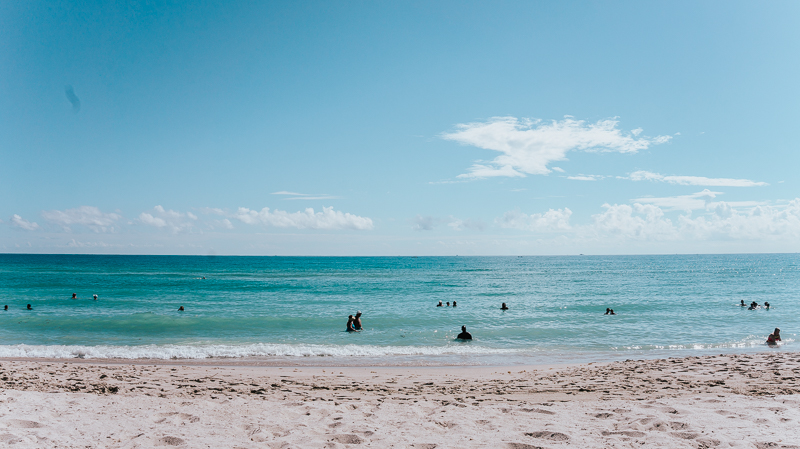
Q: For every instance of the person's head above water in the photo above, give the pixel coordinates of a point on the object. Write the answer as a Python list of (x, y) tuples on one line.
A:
[(5, 308), (463, 328), (74, 295), (180, 309), (776, 331), (29, 307)]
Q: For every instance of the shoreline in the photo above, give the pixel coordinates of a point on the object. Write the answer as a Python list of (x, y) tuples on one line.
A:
[(736, 400)]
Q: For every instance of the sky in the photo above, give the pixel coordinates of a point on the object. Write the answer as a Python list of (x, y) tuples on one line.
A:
[(399, 128)]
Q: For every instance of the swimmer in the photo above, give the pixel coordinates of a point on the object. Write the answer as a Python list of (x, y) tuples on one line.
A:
[(448, 303), (439, 305), (74, 296), (454, 303), (774, 337), (204, 277), (743, 304), (95, 297), (350, 327), (357, 321), (766, 305), (29, 307), (753, 306), (611, 312), (503, 307), (5, 307), (464, 335), (608, 311), (180, 309)]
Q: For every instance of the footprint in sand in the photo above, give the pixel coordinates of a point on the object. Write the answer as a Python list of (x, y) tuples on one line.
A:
[(522, 446), (546, 435), (23, 424), (347, 439), (170, 441)]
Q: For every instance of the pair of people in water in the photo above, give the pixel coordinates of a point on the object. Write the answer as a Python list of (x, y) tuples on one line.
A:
[(448, 304), (75, 296), (354, 322), (609, 312), (26, 308)]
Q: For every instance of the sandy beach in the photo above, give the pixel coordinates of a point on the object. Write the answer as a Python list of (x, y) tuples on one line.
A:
[(700, 402)]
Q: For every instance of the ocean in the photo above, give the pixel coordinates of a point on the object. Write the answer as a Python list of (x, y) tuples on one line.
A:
[(293, 310)]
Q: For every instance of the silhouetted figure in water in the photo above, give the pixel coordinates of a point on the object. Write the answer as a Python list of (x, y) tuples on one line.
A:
[(454, 303), (774, 337), (439, 305), (464, 335), (74, 296), (180, 309), (753, 306), (357, 321), (29, 307), (504, 307), (350, 325), (742, 303), (766, 305)]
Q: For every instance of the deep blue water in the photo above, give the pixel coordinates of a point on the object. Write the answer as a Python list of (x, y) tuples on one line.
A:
[(279, 308)]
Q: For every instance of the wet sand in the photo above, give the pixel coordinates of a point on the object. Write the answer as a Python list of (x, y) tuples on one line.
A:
[(747, 401)]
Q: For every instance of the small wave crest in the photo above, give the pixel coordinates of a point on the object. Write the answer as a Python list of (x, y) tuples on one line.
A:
[(170, 352)]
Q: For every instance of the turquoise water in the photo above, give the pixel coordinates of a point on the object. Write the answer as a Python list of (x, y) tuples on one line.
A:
[(294, 309)]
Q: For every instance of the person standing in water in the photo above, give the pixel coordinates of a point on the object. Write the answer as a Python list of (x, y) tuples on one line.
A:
[(504, 307), (350, 326), (29, 307), (74, 296), (464, 335), (357, 321), (774, 337)]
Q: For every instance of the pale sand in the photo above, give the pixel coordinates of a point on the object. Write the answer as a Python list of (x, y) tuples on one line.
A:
[(747, 401)]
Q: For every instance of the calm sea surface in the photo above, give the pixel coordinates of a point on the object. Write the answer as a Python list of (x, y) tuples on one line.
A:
[(294, 309)]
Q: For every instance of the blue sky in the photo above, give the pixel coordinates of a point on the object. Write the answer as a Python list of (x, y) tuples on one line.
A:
[(399, 128)]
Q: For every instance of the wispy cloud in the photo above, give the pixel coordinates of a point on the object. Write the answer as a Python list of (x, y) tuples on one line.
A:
[(694, 201), (22, 223), (428, 223), (642, 175), (528, 146), (169, 219), (88, 216), (305, 196), (307, 219), (585, 177), (723, 221), (550, 221), (424, 223)]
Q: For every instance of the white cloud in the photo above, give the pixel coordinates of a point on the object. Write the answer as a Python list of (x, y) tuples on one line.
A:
[(633, 222), (642, 175), (459, 224), (426, 223), (528, 146), (695, 201), (585, 177), (88, 216), (22, 223), (306, 196), (723, 221), (168, 219), (212, 211), (550, 221), (308, 219)]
